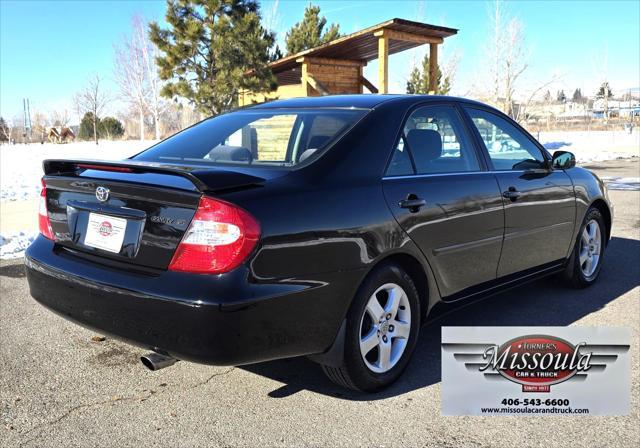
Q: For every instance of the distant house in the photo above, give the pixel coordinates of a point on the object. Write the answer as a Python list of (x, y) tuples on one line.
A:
[(337, 66)]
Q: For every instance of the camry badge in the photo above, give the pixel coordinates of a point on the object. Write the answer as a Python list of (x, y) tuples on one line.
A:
[(102, 194)]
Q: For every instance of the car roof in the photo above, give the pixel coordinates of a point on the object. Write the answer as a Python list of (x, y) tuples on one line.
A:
[(361, 101)]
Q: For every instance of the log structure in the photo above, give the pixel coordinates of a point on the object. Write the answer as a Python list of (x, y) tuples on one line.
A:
[(337, 67)]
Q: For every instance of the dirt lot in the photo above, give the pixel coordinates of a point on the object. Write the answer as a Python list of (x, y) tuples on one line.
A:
[(58, 387)]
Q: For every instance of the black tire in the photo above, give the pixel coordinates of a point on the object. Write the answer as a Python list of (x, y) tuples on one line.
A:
[(574, 274), (354, 373)]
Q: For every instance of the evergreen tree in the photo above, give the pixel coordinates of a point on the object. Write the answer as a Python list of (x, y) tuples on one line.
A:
[(414, 83), (419, 80), (86, 127), (111, 128), (4, 130), (577, 96), (561, 97), (547, 97), (310, 32), (604, 87), (211, 51)]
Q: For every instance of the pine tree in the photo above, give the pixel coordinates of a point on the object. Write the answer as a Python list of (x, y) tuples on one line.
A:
[(4, 130), (561, 97), (577, 96), (419, 80), (111, 127), (310, 32), (414, 84), (211, 51), (604, 87), (86, 131)]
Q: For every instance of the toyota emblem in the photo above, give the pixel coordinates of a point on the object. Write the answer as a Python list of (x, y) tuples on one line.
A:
[(102, 194)]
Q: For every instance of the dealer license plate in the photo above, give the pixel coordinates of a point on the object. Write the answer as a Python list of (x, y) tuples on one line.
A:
[(105, 232)]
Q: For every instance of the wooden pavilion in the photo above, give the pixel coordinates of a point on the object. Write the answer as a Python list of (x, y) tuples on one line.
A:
[(337, 67)]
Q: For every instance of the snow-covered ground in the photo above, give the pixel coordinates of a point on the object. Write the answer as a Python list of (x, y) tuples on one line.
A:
[(21, 168), (13, 245), (21, 171), (593, 146), (21, 165)]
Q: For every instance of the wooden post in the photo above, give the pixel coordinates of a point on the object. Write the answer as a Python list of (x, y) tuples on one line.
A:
[(305, 78), (433, 68), (383, 64)]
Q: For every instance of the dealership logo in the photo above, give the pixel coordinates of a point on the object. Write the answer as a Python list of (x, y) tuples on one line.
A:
[(105, 228), (535, 361), (102, 194)]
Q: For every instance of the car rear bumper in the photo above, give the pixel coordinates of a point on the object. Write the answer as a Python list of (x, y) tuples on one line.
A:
[(228, 319)]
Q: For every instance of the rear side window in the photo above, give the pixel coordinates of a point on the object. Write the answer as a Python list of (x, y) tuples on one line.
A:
[(265, 137), (433, 141), (508, 147)]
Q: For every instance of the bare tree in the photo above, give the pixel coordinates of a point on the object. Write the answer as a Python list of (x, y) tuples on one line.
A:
[(137, 74), (39, 124), (514, 63), (60, 117), (93, 98), (131, 70), (155, 104), (524, 108), (271, 17), (508, 56), (496, 18), (450, 66), (7, 130)]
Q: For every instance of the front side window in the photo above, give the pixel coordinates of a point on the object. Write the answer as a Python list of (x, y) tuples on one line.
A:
[(434, 141), (265, 137), (508, 147)]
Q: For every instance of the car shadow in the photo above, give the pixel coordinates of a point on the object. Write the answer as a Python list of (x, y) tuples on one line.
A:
[(546, 302), (14, 270)]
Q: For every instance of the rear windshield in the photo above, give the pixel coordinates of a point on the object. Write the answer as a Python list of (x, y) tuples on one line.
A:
[(282, 137)]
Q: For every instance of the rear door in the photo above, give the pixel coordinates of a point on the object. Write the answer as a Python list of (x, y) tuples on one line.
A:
[(539, 201), (442, 195)]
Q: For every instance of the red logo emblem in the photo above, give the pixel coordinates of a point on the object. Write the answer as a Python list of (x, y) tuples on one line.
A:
[(105, 228), (537, 361)]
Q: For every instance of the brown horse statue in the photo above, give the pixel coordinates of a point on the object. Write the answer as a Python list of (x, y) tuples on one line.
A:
[(60, 134)]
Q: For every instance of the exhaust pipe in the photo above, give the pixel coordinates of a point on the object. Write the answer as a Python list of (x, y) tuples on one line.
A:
[(156, 361)]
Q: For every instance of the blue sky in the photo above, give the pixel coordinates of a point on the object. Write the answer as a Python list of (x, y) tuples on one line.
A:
[(48, 49)]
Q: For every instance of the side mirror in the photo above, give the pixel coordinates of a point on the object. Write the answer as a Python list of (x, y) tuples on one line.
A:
[(563, 160)]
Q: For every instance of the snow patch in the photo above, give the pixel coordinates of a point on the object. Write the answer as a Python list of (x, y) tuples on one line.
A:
[(593, 146), (21, 165), (622, 183), (14, 245)]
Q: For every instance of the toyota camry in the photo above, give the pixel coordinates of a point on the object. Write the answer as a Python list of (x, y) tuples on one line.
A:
[(327, 227)]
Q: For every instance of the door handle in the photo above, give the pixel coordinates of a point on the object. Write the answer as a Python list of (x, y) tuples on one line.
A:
[(413, 203), (512, 194)]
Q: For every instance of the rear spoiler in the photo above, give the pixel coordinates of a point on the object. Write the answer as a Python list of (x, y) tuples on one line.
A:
[(203, 179)]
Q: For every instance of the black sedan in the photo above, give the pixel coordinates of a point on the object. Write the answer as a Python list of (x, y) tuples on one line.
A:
[(329, 227)]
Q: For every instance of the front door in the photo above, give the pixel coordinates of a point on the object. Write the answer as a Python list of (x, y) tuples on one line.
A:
[(444, 198), (539, 202)]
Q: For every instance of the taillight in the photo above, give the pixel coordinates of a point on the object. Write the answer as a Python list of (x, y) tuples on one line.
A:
[(43, 217), (219, 238)]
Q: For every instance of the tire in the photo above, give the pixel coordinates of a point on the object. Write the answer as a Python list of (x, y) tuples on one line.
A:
[(394, 331), (586, 258)]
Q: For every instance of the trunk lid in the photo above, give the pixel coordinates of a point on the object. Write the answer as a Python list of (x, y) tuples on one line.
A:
[(131, 212)]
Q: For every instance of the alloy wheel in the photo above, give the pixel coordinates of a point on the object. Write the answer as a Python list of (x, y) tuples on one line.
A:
[(385, 327), (590, 246)]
